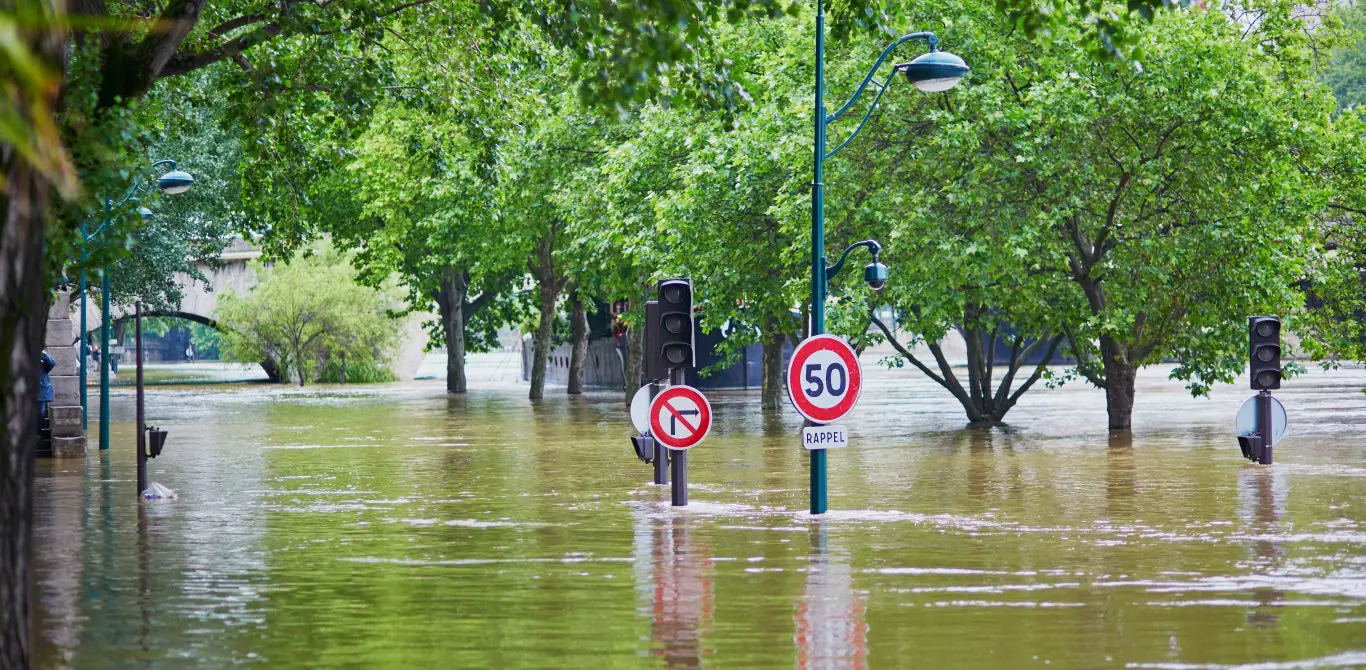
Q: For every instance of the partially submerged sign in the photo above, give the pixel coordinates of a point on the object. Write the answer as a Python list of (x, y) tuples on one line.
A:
[(680, 417)]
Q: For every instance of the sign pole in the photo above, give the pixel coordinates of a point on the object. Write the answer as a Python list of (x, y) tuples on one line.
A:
[(1264, 427), (678, 459), (142, 435), (661, 454)]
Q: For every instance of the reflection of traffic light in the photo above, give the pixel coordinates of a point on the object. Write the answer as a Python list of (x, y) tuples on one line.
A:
[(1264, 352), (675, 343)]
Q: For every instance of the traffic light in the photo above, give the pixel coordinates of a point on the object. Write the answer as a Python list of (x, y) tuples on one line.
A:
[(675, 342), (1264, 352)]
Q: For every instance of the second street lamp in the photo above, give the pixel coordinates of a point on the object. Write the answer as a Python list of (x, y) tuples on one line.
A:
[(171, 183), (931, 72)]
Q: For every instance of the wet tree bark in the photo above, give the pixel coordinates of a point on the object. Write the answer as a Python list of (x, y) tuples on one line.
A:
[(548, 278), (450, 301), (22, 321), (1119, 383), (634, 363), (774, 339), (579, 353), (273, 372)]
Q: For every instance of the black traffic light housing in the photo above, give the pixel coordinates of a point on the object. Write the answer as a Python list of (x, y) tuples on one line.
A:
[(1264, 352), (674, 346)]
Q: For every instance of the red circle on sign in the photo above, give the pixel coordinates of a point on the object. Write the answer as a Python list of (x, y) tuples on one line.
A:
[(796, 391), (695, 427)]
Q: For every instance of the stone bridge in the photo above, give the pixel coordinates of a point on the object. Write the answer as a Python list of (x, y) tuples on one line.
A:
[(199, 303)]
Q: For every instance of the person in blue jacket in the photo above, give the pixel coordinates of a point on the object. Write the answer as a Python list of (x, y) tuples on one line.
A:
[(44, 385)]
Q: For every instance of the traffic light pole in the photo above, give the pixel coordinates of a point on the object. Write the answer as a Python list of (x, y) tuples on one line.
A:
[(678, 459), (661, 454), (1264, 426)]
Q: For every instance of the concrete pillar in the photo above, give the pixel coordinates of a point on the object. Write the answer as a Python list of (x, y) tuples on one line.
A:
[(64, 411)]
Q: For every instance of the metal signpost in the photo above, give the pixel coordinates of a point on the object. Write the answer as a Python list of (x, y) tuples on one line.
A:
[(1262, 420), (680, 417), (931, 72), (824, 382), (669, 352)]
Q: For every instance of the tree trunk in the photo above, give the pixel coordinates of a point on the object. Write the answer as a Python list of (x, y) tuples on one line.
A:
[(451, 303), (22, 322), (579, 353), (1119, 383), (774, 339), (543, 269), (635, 362), (542, 339), (273, 371)]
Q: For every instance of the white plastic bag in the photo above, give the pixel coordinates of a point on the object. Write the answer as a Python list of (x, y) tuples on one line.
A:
[(158, 492)]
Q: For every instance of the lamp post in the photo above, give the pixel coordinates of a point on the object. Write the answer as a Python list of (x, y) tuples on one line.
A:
[(171, 183), (931, 72)]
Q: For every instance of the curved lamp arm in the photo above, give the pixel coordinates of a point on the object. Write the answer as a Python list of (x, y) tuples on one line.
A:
[(873, 247), (881, 86)]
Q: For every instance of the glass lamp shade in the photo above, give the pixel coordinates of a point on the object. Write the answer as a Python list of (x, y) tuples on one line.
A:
[(935, 71), (175, 181)]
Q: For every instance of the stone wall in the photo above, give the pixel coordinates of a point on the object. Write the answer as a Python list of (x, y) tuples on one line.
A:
[(64, 412)]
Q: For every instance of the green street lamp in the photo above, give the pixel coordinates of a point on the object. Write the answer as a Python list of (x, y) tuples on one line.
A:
[(931, 72), (171, 183)]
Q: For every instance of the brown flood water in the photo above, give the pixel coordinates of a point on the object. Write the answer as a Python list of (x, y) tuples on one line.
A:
[(394, 526)]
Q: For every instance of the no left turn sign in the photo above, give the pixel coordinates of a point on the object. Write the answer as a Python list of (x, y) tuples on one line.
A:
[(680, 417), (824, 379)]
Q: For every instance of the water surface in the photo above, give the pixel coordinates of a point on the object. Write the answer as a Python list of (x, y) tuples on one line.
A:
[(395, 526)]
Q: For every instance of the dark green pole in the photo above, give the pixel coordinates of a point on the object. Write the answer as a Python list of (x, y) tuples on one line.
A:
[(818, 489), (104, 359), (85, 348)]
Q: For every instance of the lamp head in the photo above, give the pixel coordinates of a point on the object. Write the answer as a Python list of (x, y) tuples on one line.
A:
[(875, 274), (175, 181), (145, 213), (935, 71)]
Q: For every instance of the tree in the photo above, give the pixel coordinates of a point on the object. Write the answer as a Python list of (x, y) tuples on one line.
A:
[(307, 317), (424, 215)]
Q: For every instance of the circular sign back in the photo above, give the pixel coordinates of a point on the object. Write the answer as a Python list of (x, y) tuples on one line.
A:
[(680, 417), (1246, 423), (824, 379), (640, 409)]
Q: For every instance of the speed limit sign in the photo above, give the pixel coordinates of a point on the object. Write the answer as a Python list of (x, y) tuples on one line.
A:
[(824, 379)]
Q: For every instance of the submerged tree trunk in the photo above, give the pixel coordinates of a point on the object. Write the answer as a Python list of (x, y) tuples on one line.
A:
[(1119, 383), (450, 301), (273, 371), (579, 353), (22, 322), (774, 339), (633, 366), (543, 268), (542, 339), (984, 401)]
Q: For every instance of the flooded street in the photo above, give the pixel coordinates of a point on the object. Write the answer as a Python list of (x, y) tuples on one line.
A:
[(397, 526)]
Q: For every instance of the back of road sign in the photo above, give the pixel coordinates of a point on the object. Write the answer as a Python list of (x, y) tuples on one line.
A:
[(1246, 424)]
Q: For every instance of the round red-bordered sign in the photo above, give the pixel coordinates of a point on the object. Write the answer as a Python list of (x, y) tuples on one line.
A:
[(824, 380), (680, 417)]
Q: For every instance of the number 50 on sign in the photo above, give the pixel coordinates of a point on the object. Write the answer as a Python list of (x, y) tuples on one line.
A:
[(824, 379)]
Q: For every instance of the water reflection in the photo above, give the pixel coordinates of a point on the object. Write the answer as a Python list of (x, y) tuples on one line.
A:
[(675, 571), (1121, 475), (831, 631), (1262, 496)]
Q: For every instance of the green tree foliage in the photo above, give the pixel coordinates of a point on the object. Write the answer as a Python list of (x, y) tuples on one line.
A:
[(310, 320), (1346, 73), (1144, 214)]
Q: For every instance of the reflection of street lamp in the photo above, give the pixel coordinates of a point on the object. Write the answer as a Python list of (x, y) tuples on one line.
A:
[(932, 72), (171, 183)]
